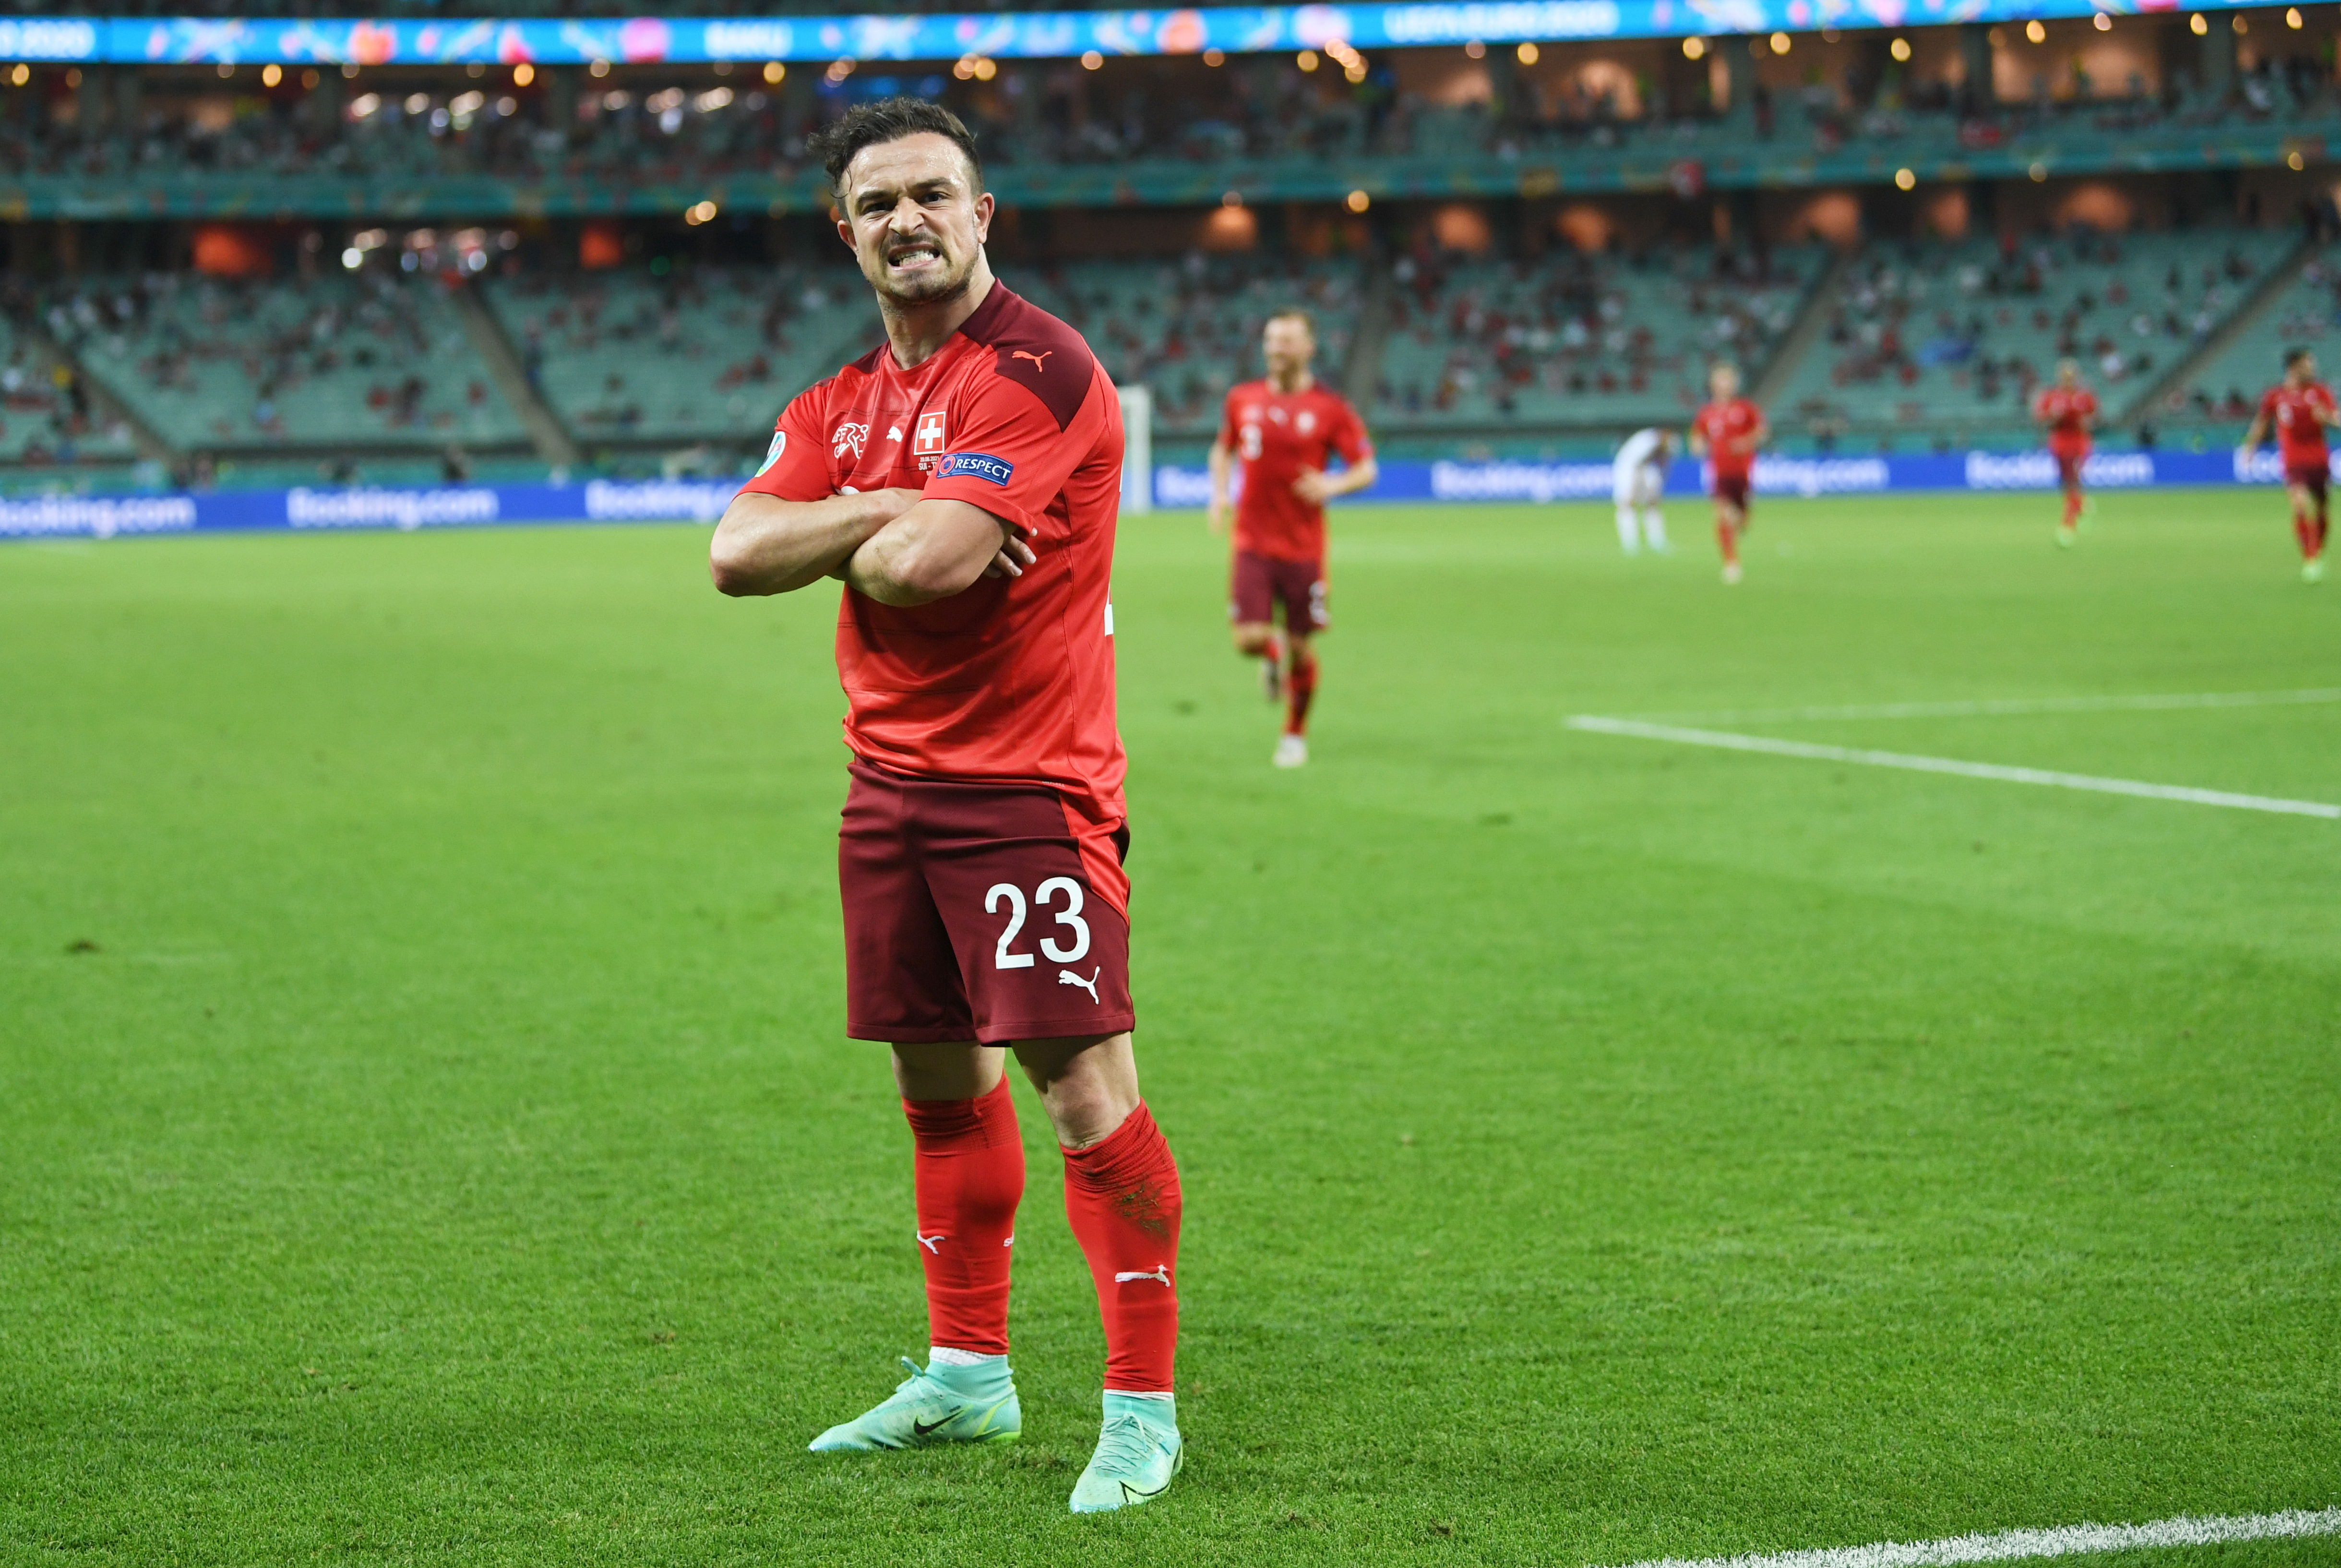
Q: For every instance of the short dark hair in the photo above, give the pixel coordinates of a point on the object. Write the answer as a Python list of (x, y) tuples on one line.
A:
[(1293, 312), (2293, 356), (888, 120)]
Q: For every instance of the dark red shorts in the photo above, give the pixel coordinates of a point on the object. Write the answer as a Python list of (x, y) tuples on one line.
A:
[(2312, 475), (2069, 458), (1732, 487), (1262, 582), (976, 912)]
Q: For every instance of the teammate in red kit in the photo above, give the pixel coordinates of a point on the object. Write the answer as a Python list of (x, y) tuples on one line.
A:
[(1285, 430), (2297, 409), (961, 479), (1727, 432), (2067, 410)]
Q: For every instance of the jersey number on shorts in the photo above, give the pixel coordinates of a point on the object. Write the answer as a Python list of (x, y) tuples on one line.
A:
[(1007, 892)]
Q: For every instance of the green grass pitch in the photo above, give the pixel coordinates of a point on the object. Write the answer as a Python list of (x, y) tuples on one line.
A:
[(1594, 1149)]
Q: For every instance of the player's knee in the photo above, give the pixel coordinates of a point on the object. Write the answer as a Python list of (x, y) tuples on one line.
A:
[(1253, 640)]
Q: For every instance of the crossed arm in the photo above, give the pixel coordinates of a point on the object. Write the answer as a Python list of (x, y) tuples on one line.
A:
[(893, 545)]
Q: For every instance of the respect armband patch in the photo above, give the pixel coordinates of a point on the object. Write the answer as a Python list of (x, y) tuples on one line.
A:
[(976, 466), (773, 452)]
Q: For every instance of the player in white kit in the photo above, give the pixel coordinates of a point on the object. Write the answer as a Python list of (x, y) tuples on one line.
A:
[(1642, 479)]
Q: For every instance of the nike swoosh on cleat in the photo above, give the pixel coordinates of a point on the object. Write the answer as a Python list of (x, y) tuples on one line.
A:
[(929, 1428)]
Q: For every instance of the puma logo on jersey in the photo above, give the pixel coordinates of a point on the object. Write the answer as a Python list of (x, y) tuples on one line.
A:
[(1039, 360), (932, 1243), (1067, 977), (1159, 1272)]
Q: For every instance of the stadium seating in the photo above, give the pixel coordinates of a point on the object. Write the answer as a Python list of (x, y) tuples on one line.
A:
[(2220, 396), (46, 420), (220, 363), (713, 353), (1944, 343), (1190, 329), (1609, 340)]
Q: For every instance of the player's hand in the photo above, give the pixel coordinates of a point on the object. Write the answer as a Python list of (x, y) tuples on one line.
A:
[(1013, 557), (1312, 486), (1215, 516)]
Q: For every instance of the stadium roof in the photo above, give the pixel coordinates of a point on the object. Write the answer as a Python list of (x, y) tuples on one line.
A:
[(165, 40)]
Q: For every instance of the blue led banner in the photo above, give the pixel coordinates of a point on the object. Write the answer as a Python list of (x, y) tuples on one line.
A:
[(703, 500), (1051, 35)]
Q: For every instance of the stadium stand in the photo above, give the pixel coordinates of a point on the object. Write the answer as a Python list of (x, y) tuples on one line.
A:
[(1189, 328), (1935, 344), (47, 417), (1607, 339), (263, 364), (707, 354), (2222, 391)]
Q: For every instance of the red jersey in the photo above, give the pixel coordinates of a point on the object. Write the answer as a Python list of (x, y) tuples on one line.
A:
[(2294, 413), (1013, 679), (1275, 435), (2066, 412), (1726, 426)]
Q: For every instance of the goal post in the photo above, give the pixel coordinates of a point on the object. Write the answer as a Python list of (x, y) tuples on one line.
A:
[(1137, 449)]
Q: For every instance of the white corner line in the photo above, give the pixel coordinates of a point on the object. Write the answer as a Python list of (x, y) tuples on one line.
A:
[(1725, 740), (2007, 1545), (1993, 708)]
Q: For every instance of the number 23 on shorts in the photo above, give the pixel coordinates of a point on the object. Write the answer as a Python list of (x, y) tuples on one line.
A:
[(1010, 895)]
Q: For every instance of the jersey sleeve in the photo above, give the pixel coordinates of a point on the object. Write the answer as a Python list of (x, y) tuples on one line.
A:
[(2268, 401), (796, 464), (1008, 455), (1349, 438)]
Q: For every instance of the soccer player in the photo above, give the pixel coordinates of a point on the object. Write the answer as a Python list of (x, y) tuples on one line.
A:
[(1640, 478), (1285, 430), (2297, 409), (961, 480), (1727, 432), (2067, 410)]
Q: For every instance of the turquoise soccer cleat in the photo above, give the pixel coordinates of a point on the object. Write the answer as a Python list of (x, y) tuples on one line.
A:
[(925, 1412), (1137, 1452)]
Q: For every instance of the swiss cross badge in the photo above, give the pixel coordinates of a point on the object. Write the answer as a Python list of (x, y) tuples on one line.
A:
[(927, 441)]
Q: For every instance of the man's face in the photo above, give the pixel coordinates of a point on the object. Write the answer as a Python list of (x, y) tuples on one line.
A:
[(1723, 382), (1287, 346), (2303, 370), (916, 221), (2067, 376)]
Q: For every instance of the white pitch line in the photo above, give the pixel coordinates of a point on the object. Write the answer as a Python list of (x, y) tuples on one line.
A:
[(1725, 740), (1988, 708), (2184, 1530)]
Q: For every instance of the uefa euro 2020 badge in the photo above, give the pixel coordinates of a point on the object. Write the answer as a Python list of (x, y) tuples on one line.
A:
[(773, 452)]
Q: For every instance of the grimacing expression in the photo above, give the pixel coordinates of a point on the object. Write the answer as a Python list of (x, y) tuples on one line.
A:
[(914, 219), (1287, 346)]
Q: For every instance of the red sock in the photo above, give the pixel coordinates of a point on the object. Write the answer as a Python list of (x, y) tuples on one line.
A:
[(2072, 507), (1299, 690), (969, 1165), (1726, 539), (1275, 654), (2305, 529), (1122, 1197)]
